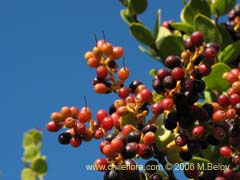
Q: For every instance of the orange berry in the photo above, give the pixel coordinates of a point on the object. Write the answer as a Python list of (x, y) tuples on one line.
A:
[(57, 116), (123, 73), (69, 122), (88, 55), (66, 112)]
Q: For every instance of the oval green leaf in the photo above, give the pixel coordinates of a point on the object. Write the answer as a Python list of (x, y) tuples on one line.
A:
[(142, 34), (214, 81), (230, 53), (37, 135), (150, 52), (39, 165), (30, 153), (27, 140), (186, 28), (221, 7), (28, 174), (226, 37), (193, 8), (209, 30), (170, 45), (137, 6)]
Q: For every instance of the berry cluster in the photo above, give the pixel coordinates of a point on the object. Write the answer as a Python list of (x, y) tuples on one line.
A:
[(126, 130), (103, 57)]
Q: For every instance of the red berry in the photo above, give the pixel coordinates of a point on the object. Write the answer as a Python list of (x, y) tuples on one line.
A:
[(167, 103), (101, 164), (236, 159), (223, 100), (161, 73), (198, 131), (102, 71), (210, 53), (87, 135), (100, 88), (204, 69), (146, 95), (127, 129), (98, 134), (226, 151), (117, 145), (177, 73), (107, 123), (76, 141), (53, 126), (197, 38), (103, 143), (149, 138), (93, 62), (84, 115), (234, 99), (116, 120), (123, 92), (101, 114), (236, 86), (181, 140), (108, 150), (231, 113), (79, 128), (157, 108)]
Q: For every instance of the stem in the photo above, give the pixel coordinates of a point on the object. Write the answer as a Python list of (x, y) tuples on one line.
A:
[(162, 160), (216, 19)]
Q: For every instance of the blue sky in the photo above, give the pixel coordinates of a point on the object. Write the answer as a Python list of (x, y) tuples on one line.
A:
[(42, 44)]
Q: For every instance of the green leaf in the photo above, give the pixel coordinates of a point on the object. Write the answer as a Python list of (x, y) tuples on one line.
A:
[(226, 37), (150, 52), (28, 174), (126, 16), (162, 33), (142, 34), (193, 8), (207, 96), (170, 45), (230, 53), (30, 153), (214, 81), (137, 6), (157, 23), (37, 135), (188, 29), (221, 7), (39, 165), (124, 2), (209, 30), (27, 140), (153, 72)]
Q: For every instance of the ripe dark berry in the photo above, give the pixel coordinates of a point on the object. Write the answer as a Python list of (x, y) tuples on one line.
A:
[(191, 173), (157, 108), (213, 44), (151, 166), (134, 136), (210, 53), (145, 151), (197, 38), (134, 84), (64, 138), (149, 128), (130, 150), (161, 73), (168, 82), (173, 61), (111, 175), (204, 69)]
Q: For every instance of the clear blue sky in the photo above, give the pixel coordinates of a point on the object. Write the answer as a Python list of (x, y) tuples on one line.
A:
[(42, 44)]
